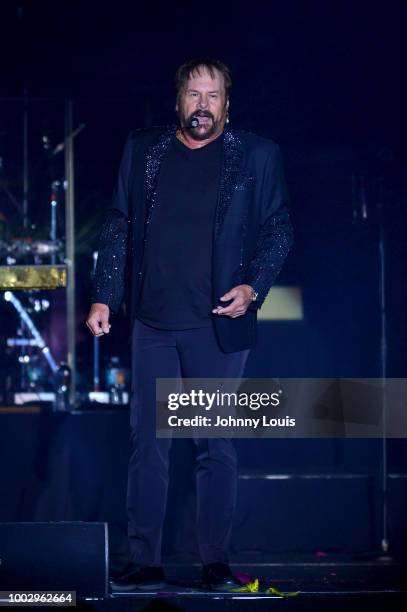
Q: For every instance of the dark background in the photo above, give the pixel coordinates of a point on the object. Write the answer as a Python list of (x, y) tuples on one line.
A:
[(325, 80)]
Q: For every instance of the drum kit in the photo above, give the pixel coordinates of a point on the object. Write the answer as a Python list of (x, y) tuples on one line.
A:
[(34, 263), (29, 270), (20, 249), (41, 375)]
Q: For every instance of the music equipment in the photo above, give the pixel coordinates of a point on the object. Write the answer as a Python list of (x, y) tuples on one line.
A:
[(55, 556), (32, 277)]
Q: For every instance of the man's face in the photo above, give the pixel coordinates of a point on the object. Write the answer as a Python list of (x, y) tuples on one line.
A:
[(203, 97)]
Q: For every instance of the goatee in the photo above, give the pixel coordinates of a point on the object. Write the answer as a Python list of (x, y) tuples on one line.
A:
[(202, 131)]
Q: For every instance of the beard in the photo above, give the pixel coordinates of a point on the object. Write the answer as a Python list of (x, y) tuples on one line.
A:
[(201, 132)]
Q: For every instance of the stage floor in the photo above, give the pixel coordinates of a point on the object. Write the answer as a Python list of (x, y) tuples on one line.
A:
[(338, 581)]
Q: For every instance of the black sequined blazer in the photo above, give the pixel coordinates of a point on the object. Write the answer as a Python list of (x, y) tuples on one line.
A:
[(252, 230)]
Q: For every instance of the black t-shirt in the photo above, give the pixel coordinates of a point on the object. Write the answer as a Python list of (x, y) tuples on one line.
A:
[(176, 289)]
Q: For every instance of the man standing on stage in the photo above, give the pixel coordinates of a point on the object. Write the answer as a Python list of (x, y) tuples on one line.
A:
[(197, 233)]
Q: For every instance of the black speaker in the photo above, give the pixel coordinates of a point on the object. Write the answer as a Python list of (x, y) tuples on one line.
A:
[(55, 556)]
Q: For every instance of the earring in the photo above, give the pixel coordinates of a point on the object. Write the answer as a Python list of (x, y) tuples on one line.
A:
[(227, 118)]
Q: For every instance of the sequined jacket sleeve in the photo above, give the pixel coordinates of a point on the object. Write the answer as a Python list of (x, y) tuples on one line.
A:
[(276, 233), (109, 278)]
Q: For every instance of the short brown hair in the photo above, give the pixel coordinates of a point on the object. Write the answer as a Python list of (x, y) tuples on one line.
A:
[(193, 65)]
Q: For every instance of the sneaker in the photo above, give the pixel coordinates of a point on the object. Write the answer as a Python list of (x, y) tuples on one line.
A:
[(139, 578), (219, 577)]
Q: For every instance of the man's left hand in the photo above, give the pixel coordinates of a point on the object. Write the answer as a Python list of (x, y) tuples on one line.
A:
[(241, 296)]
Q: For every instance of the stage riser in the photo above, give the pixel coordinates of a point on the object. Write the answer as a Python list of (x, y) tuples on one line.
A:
[(293, 514), (322, 513), (74, 468)]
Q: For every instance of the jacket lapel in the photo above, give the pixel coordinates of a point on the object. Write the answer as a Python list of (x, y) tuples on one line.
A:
[(154, 158), (230, 175)]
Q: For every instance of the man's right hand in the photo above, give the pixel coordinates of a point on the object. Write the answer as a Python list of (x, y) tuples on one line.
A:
[(98, 319)]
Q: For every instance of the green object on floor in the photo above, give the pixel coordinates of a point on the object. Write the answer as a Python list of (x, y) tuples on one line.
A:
[(253, 587), (275, 591)]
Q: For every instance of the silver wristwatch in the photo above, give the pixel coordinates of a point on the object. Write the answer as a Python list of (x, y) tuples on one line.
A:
[(254, 295)]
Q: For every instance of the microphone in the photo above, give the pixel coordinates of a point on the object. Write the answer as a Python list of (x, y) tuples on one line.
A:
[(193, 123)]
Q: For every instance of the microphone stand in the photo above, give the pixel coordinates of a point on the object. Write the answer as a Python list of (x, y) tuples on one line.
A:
[(53, 225), (383, 556)]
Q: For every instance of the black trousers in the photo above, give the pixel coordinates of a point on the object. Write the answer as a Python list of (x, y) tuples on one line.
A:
[(190, 353)]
